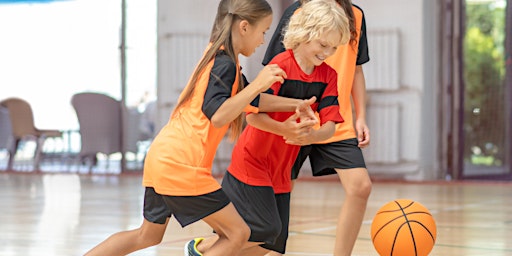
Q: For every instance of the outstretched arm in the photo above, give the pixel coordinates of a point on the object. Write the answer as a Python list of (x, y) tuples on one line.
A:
[(234, 106)]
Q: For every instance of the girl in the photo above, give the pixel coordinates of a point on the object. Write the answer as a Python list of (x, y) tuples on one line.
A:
[(342, 153), (177, 170), (258, 178)]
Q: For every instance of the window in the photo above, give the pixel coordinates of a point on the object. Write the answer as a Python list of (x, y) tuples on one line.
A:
[(49, 51)]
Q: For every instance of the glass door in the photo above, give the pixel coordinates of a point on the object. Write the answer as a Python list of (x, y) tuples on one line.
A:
[(486, 93)]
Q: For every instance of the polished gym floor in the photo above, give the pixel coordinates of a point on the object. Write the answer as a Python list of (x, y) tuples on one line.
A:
[(67, 213)]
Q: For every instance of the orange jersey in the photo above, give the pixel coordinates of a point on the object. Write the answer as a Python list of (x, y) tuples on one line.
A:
[(180, 158), (344, 61)]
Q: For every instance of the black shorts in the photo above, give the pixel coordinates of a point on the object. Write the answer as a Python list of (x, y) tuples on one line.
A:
[(266, 213), (324, 158), (186, 209)]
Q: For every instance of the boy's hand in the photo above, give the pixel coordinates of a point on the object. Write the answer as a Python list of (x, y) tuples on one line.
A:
[(297, 131), (303, 139)]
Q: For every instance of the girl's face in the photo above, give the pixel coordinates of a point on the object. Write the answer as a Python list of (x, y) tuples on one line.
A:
[(315, 52), (251, 36)]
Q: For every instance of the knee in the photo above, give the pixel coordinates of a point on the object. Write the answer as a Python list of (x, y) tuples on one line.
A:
[(362, 189), (365, 189), (148, 239), (237, 237), (243, 234), (153, 241)]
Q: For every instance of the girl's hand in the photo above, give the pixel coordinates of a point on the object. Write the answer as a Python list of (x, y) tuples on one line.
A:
[(305, 111), (268, 76)]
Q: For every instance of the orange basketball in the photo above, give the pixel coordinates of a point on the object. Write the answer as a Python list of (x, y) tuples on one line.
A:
[(403, 227)]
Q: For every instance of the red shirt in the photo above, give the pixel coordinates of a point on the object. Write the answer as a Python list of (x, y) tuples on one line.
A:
[(261, 158)]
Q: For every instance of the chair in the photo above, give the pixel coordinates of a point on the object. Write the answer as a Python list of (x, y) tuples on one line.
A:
[(136, 139), (6, 137), (99, 117), (23, 128), (147, 126), (133, 133)]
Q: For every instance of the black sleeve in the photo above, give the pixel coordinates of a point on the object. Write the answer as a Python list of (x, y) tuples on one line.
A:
[(220, 84), (362, 53), (256, 101), (275, 46)]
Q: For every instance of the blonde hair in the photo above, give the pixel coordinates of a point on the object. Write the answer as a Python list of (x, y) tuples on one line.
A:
[(315, 18), (228, 12), (347, 7)]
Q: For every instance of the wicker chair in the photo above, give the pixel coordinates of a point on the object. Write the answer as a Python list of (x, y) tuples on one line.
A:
[(23, 128)]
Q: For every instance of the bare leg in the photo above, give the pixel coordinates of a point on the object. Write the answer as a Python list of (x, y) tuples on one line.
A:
[(293, 185), (232, 233), (357, 185), (249, 248), (272, 253), (125, 242), (207, 243), (254, 250)]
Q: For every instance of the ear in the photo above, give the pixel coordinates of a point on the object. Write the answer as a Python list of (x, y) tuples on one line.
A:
[(243, 26)]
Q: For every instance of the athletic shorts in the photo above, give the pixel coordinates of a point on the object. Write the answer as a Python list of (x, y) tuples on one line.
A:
[(186, 209), (324, 158), (266, 213)]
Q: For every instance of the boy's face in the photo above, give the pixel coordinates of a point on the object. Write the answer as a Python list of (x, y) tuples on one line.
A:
[(316, 51)]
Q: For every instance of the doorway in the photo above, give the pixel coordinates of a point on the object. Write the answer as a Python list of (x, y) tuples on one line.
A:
[(486, 139), (477, 136)]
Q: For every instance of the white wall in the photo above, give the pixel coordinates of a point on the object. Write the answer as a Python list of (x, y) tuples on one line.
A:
[(182, 38), (403, 119), (407, 17)]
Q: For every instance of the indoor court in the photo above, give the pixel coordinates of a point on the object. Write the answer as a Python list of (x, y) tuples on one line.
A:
[(438, 103), (67, 214)]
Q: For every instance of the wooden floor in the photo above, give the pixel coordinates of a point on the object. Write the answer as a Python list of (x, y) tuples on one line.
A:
[(67, 214)]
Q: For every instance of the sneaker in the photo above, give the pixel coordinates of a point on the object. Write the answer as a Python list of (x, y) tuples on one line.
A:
[(190, 248)]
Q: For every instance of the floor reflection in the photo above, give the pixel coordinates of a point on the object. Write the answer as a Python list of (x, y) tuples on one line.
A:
[(61, 211)]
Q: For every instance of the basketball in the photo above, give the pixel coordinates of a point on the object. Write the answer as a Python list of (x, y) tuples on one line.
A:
[(403, 227)]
